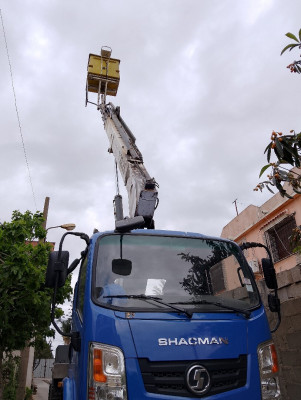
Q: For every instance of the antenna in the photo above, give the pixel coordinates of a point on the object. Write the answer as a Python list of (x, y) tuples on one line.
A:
[(235, 202)]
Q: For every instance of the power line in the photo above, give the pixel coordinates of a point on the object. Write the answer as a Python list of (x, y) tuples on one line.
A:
[(17, 112)]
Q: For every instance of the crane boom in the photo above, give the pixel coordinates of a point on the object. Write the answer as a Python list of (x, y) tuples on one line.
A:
[(141, 188)]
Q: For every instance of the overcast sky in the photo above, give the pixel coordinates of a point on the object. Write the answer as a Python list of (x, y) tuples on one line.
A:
[(202, 87)]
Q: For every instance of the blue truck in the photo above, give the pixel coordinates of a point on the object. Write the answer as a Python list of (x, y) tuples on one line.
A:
[(161, 315)]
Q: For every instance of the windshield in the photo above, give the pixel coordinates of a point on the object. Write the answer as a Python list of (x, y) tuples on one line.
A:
[(190, 273)]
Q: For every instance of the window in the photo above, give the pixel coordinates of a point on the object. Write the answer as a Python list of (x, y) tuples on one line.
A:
[(217, 278), (278, 238), (174, 270)]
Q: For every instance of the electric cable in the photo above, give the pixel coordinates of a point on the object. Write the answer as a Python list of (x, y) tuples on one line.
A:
[(17, 112)]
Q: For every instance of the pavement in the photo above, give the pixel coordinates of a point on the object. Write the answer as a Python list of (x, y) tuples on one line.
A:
[(42, 388)]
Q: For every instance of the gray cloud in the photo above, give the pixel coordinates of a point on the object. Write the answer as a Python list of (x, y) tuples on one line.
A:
[(202, 86)]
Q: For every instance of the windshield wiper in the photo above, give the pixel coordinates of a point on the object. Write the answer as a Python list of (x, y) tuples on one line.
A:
[(154, 298), (246, 313)]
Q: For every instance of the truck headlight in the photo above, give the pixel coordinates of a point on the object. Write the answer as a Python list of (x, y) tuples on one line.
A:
[(268, 364), (106, 377)]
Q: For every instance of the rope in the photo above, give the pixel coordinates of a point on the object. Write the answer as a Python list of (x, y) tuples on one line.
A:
[(17, 112)]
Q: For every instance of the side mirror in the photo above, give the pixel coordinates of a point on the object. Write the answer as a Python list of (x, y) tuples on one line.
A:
[(269, 273), (121, 266), (56, 266), (274, 303)]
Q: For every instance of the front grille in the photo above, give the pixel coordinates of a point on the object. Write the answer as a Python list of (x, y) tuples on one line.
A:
[(169, 378)]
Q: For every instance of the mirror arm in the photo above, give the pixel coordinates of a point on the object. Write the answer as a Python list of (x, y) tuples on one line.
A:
[(61, 244), (53, 307), (82, 235), (75, 336), (249, 245), (73, 265), (75, 262), (239, 277), (277, 301), (278, 322)]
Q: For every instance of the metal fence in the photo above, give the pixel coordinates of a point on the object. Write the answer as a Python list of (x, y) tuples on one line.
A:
[(43, 368)]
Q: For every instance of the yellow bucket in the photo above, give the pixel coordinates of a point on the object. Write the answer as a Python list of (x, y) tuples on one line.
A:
[(105, 71)]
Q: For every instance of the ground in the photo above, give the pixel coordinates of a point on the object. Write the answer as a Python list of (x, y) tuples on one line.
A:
[(42, 388)]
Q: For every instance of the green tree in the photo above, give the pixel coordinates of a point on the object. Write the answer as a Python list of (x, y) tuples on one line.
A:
[(24, 301), (287, 151), (42, 349), (296, 65), (286, 148), (66, 326)]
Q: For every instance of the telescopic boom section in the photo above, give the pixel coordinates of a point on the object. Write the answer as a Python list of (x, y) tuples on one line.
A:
[(141, 188)]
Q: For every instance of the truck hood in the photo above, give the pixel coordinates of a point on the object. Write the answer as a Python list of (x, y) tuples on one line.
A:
[(215, 337)]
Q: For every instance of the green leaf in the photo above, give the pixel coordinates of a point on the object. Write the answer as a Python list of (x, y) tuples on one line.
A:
[(300, 35), (287, 157), (269, 189), (292, 36), (269, 154), (297, 159), (279, 147), (268, 147), (285, 194), (264, 169), (289, 46), (289, 153), (278, 185), (288, 147)]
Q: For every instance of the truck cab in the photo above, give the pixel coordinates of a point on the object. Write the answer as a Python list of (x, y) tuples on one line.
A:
[(168, 315)]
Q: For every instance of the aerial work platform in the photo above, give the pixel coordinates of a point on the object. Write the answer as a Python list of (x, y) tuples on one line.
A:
[(102, 74)]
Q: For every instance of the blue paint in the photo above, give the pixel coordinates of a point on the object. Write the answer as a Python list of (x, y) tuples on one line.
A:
[(163, 336)]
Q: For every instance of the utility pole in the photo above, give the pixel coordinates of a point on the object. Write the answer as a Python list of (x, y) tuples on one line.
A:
[(45, 211), (45, 215)]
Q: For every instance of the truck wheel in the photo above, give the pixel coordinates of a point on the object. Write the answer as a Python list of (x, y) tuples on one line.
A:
[(55, 393)]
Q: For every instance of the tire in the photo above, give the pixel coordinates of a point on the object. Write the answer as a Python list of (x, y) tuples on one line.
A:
[(55, 393)]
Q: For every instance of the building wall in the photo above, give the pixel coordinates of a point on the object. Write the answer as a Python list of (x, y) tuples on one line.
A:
[(43, 368), (251, 225), (25, 371), (287, 338)]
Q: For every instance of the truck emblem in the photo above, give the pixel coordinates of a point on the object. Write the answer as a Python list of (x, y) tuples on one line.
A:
[(192, 341), (198, 379)]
